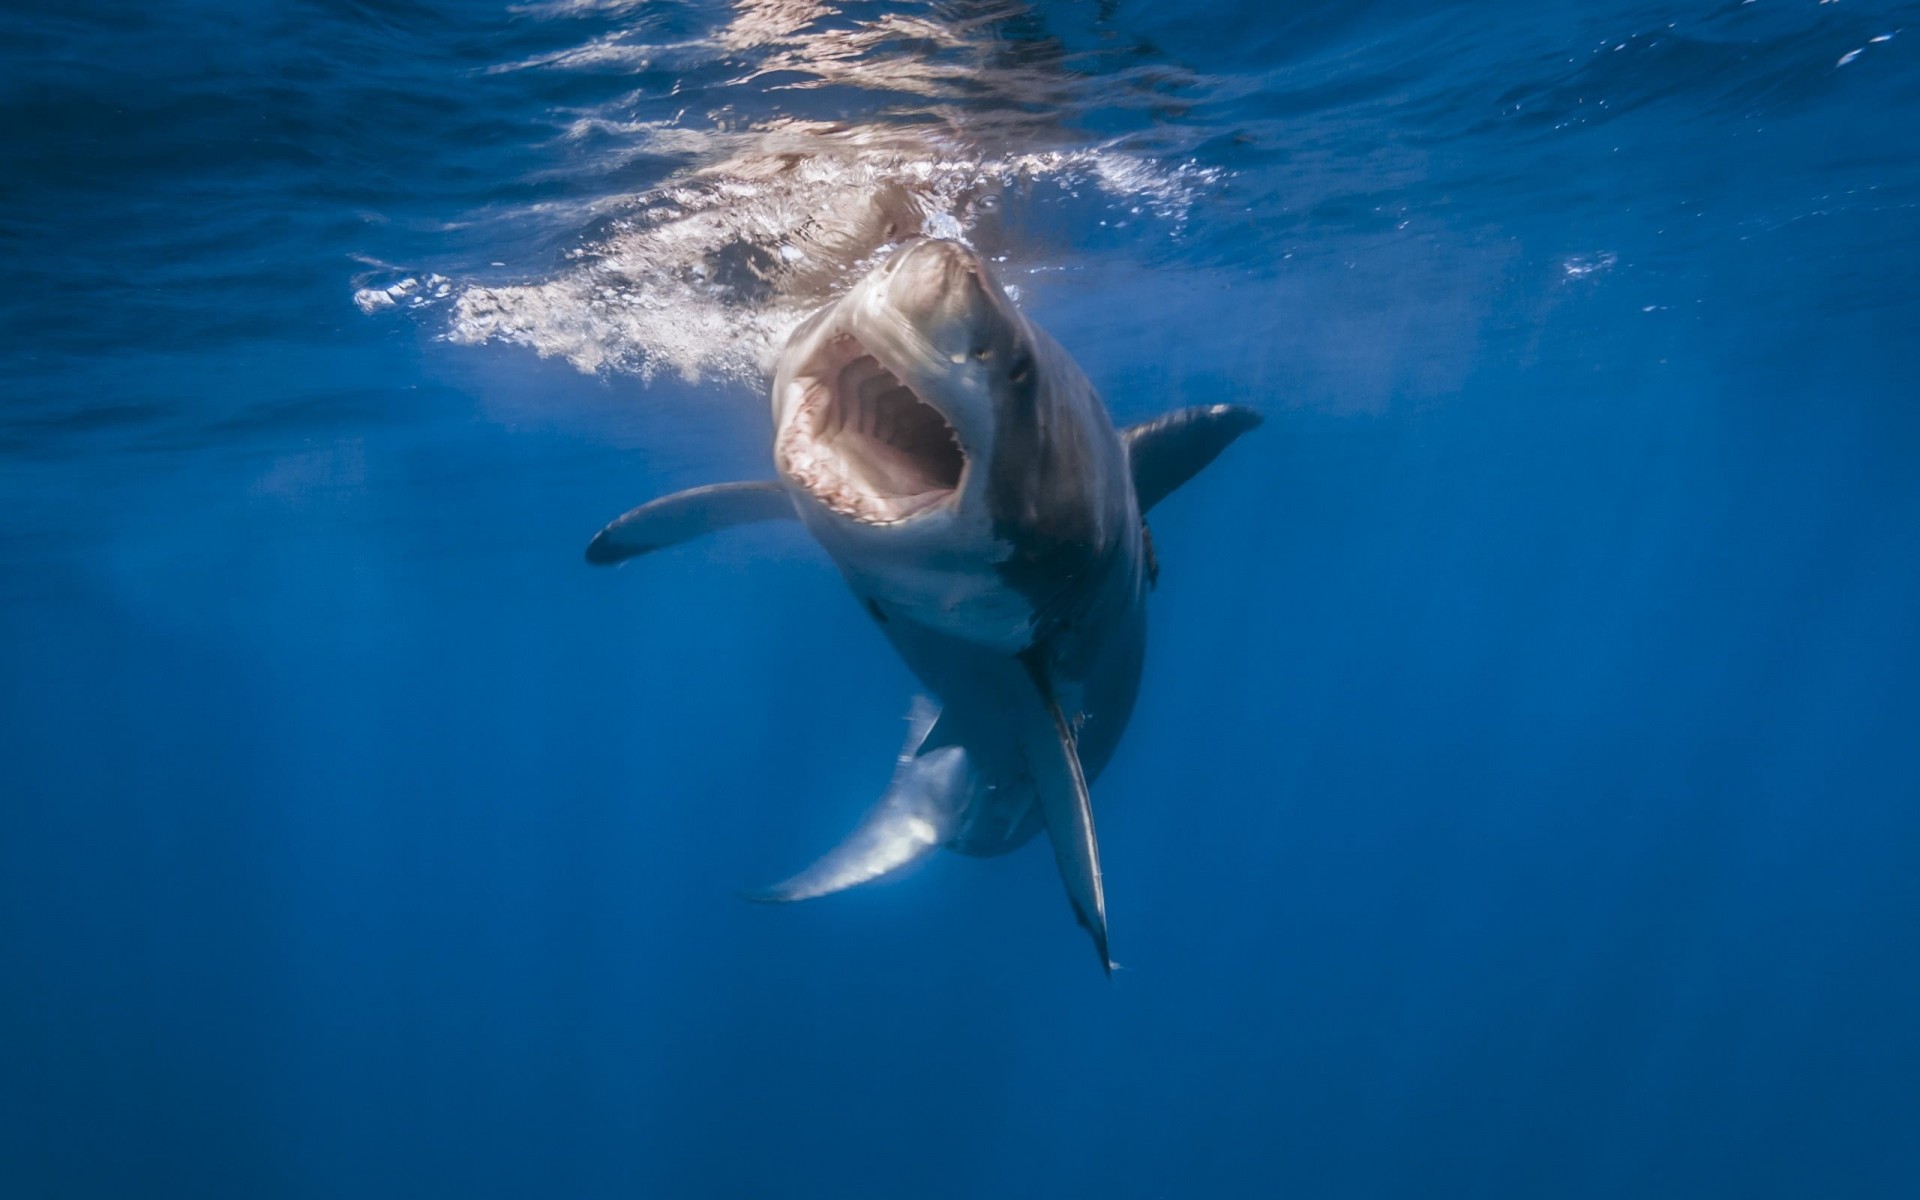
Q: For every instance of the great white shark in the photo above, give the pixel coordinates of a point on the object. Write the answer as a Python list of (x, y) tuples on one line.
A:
[(966, 478)]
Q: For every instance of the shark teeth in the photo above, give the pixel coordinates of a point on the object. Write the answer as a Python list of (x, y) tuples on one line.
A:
[(864, 444)]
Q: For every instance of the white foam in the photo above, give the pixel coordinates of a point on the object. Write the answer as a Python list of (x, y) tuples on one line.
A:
[(705, 274)]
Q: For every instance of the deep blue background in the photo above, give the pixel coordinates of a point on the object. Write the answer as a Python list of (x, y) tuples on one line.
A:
[(1522, 801)]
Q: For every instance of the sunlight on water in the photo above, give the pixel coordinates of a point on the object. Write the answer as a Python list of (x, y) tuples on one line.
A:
[(704, 274)]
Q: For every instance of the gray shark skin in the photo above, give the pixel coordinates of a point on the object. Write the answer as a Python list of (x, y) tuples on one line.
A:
[(965, 477)]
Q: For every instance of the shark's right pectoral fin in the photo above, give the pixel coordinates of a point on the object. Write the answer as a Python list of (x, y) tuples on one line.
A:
[(686, 515), (918, 814)]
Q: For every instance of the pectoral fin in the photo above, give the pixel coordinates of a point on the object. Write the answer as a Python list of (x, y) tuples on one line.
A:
[(686, 515), (918, 814), (1173, 448), (1053, 758)]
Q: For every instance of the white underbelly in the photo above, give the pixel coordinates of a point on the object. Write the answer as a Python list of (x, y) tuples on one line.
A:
[(973, 604)]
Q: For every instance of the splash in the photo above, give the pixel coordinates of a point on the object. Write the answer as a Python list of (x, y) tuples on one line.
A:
[(704, 274)]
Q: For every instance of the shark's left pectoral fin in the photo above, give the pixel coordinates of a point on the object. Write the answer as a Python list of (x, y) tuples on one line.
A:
[(1053, 758), (1174, 447), (683, 516), (917, 815)]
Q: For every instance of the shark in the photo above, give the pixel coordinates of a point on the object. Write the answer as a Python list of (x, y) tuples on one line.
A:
[(966, 478)]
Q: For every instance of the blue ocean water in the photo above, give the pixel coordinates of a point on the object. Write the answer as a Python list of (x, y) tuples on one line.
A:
[(1522, 796)]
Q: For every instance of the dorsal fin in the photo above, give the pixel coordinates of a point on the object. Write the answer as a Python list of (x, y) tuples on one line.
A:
[(1172, 448), (686, 515)]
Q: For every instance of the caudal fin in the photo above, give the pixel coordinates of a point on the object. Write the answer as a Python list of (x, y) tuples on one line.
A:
[(1053, 759), (918, 814)]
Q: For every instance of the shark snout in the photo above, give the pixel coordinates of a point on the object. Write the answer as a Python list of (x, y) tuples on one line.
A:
[(939, 287), (923, 254)]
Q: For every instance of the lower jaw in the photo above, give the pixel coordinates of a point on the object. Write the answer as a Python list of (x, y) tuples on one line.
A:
[(826, 477), (833, 490), (873, 512)]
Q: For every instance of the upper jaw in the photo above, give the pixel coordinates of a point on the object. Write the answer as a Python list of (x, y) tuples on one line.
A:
[(859, 438)]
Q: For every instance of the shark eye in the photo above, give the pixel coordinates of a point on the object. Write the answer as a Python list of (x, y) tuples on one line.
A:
[(1022, 368)]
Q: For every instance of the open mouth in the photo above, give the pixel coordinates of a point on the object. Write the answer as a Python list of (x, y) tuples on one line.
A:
[(864, 443)]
